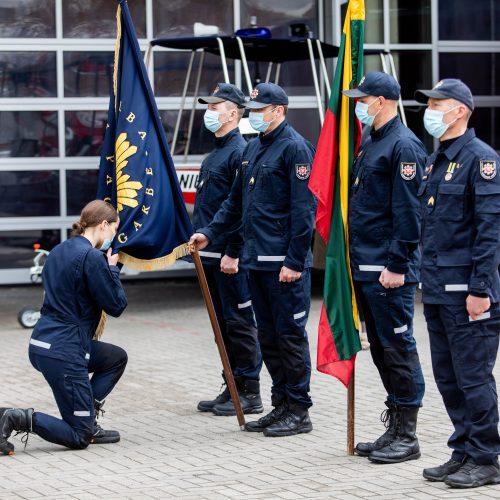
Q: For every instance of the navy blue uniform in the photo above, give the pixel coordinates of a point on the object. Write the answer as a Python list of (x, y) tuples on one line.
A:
[(78, 285), (271, 198), (230, 293), (384, 231), (460, 197)]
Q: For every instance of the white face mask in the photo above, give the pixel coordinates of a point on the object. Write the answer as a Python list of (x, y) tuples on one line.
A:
[(434, 124)]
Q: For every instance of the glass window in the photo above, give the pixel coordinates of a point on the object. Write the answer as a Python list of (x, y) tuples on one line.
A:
[(88, 74), (278, 15), (202, 141), (81, 187), (415, 121), (28, 74), (85, 132), (29, 194), (414, 71), (410, 21), (171, 69), (28, 133), (97, 18), (305, 122), (481, 72), (16, 247), (178, 18), (486, 122), (469, 20), (27, 19)]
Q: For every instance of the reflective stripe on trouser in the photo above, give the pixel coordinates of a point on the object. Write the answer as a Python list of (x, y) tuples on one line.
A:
[(463, 356), (283, 337), (233, 307), (75, 393), (388, 315)]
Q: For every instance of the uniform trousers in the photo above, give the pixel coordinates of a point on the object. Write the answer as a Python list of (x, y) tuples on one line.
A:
[(463, 356), (282, 310), (388, 315), (75, 393)]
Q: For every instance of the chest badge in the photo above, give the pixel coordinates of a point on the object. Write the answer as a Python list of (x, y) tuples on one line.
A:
[(252, 181), (448, 176), (302, 171), (487, 169), (408, 170), (430, 203), (356, 182), (428, 169)]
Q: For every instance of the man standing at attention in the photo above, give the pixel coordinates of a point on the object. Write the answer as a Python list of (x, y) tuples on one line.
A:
[(460, 197), (230, 292), (384, 231), (272, 201)]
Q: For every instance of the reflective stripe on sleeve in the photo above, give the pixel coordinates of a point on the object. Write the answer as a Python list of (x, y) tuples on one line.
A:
[(39, 343), (246, 304), (456, 288), (369, 267), (270, 258), (212, 255), (81, 413), (299, 315)]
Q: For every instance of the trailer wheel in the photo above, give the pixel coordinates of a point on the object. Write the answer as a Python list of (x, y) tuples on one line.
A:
[(28, 317)]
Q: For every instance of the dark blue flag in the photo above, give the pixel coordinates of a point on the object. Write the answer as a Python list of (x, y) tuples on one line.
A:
[(136, 172)]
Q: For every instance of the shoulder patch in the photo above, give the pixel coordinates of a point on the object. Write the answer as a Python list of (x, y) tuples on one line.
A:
[(408, 170), (488, 169), (302, 171)]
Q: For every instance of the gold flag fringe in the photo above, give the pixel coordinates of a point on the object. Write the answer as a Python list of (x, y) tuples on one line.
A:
[(154, 264), (100, 327)]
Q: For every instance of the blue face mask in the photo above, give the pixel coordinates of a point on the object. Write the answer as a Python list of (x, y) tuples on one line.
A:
[(211, 120), (361, 111), (107, 243), (257, 121), (433, 122)]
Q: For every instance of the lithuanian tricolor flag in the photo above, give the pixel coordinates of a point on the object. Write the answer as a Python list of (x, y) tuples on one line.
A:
[(338, 338)]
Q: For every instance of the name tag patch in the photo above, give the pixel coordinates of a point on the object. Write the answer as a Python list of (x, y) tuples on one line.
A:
[(302, 171), (408, 170)]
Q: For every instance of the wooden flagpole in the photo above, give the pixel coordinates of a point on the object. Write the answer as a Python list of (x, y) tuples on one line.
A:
[(350, 413), (218, 335)]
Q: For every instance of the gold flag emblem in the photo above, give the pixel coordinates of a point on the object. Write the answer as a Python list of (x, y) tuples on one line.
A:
[(126, 190)]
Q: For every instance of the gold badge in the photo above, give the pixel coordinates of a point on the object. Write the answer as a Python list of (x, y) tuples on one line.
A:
[(356, 182), (430, 203), (428, 169), (216, 90), (252, 180), (439, 84)]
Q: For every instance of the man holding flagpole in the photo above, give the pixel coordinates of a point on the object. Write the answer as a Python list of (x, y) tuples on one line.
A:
[(384, 231)]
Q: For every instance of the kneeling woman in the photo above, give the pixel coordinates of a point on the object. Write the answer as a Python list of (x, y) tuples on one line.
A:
[(80, 281)]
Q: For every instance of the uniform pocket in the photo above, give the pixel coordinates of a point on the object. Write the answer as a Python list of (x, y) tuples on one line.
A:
[(451, 202), (81, 395)]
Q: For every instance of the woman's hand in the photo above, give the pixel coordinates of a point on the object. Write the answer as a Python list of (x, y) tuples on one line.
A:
[(112, 259)]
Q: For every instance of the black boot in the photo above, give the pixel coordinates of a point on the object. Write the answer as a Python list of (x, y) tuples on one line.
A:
[(220, 399), (389, 420), (294, 421), (273, 416), (249, 394), (441, 472), (472, 475), (13, 419), (405, 444), (101, 436)]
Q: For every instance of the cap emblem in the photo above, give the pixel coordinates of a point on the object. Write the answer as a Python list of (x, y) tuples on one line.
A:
[(439, 84), (254, 94), (216, 90)]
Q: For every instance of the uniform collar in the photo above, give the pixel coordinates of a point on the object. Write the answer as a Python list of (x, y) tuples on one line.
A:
[(220, 142), (453, 149), (378, 134), (267, 138)]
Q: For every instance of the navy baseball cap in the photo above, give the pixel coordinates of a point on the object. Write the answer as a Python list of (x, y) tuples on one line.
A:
[(376, 83), (449, 88), (265, 94), (225, 92)]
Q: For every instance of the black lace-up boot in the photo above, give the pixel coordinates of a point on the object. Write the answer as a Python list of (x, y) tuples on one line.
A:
[(13, 419), (100, 435), (388, 418)]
